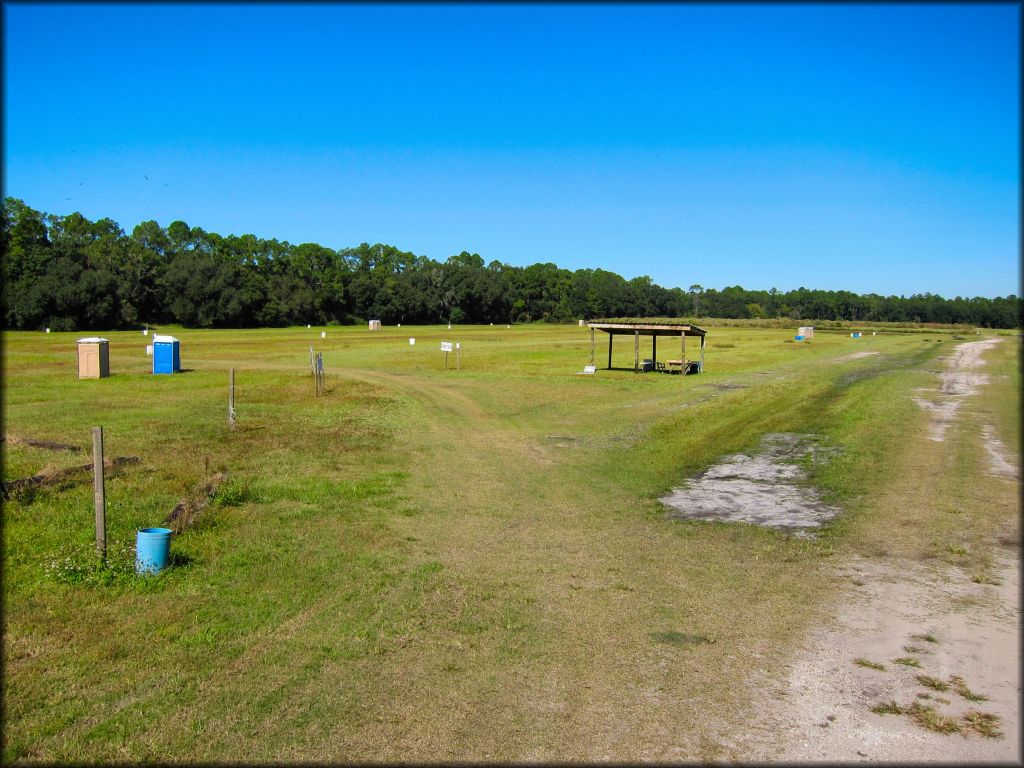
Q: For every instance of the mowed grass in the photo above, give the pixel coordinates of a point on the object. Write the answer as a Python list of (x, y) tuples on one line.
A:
[(426, 564)]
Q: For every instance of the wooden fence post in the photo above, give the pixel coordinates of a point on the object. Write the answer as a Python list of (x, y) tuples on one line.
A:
[(98, 496), (231, 400)]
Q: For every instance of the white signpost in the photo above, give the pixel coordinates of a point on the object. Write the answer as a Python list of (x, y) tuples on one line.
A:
[(446, 347), (412, 342)]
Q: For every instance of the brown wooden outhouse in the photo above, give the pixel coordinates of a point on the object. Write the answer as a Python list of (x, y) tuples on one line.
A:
[(93, 358)]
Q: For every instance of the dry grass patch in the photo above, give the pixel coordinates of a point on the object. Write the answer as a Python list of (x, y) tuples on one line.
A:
[(907, 661), (869, 664), (931, 719), (982, 723), (961, 689), (933, 682)]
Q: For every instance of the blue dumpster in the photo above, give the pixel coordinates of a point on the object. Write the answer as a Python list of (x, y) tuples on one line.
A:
[(166, 357), (152, 549)]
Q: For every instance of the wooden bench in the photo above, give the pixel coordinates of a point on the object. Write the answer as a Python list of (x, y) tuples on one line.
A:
[(683, 366)]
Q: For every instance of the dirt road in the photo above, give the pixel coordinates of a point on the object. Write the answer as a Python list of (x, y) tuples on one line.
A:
[(937, 617)]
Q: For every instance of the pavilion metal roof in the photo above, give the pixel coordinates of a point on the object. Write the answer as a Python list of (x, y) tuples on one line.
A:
[(648, 329)]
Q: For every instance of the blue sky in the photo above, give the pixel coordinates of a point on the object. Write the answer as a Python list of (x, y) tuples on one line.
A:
[(866, 147)]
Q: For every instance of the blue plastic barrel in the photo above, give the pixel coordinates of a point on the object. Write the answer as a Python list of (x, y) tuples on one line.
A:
[(799, 338), (152, 549)]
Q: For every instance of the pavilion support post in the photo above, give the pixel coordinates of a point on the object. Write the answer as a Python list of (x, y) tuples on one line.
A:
[(654, 350), (592, 346), (636, 351), (610, 337), (702, 354), (682, 354)]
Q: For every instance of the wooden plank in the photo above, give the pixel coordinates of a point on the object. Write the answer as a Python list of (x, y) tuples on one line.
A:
[(99, 500), (231, 399)]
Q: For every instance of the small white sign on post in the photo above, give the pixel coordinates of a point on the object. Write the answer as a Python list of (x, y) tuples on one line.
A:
[(446, 346), (323, 334), (149, 350), (412, 342), (146, 332)]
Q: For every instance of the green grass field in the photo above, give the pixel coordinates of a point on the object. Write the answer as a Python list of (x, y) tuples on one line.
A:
[(433, 565)]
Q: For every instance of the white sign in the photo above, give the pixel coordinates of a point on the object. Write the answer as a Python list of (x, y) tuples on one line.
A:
[(149, 349), (47, 330), (446, 346), (308, 325), (412, 342), (457, 346), (323, 334), (146, 332)]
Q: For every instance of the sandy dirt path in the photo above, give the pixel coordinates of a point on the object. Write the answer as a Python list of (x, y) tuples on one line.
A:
[(952, 626)]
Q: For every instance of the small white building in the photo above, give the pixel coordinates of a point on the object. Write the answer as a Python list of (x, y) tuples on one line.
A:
[(375, 325), (807, 331)]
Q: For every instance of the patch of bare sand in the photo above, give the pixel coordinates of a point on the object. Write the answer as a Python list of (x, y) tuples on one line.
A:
[(823, 713), (767, 488), (956, 382), (997, 453)]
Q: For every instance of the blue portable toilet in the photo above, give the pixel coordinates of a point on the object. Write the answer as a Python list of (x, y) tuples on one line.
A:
[(166, 358)]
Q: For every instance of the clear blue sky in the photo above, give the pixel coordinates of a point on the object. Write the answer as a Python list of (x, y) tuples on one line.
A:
[(873, 148)]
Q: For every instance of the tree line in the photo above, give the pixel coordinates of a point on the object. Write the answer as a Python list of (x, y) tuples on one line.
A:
[(69, 273)]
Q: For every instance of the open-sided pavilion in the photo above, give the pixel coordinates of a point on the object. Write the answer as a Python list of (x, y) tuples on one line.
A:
[(654, 330)]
